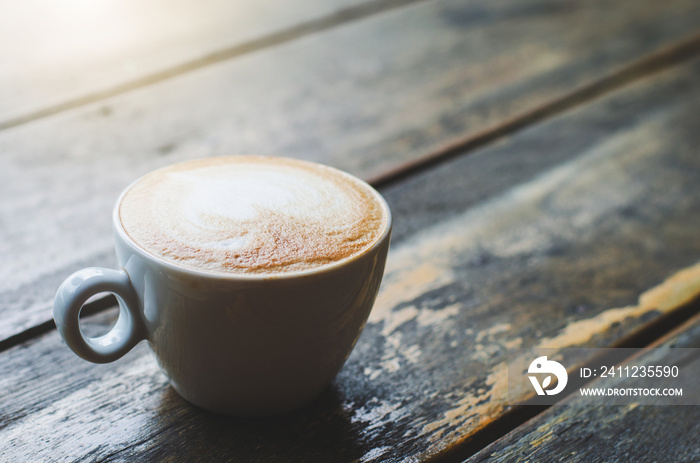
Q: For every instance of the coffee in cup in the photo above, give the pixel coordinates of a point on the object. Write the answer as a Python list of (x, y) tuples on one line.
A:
[(252, 215)]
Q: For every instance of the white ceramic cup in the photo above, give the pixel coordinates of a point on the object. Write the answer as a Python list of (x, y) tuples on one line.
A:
[(236, 344)]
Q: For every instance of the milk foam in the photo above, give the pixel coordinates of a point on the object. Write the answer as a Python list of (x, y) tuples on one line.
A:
[(249, 214)]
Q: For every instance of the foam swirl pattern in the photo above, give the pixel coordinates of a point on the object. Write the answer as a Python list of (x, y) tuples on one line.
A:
[(252, 214)]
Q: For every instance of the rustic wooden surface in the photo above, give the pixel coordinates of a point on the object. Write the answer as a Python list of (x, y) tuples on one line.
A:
[(563, 212), (48, 65), (580, 231), (574, 433), (365, 97)]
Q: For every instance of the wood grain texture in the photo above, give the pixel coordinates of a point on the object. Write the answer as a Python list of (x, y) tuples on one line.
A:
[(574, 433), (47, 64), (591, 244), (364, 97)]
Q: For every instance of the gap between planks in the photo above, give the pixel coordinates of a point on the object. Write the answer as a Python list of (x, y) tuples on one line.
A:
[(628, 74), (95, 306), (651, 335), (304, 29)]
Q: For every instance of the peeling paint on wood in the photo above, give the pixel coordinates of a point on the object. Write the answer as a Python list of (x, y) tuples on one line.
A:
[(607, 433), (594, 231), (459, 68), (677, 291)]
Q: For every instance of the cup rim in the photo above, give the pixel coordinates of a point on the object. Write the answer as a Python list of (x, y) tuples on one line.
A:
[(326, 268)]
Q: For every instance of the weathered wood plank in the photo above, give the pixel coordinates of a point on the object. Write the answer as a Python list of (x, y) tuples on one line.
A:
[(48, 64), (608, 433), (586, 252), (364, 98)]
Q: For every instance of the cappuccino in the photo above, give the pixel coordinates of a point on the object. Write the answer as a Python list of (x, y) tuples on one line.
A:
[(252, 214)]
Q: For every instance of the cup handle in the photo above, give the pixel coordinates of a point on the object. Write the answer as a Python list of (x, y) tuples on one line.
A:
[(71, 296)]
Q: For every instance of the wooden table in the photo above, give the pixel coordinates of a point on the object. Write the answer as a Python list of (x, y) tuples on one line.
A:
[(540, 158)]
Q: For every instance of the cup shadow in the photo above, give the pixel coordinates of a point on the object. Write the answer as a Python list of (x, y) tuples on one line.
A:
[(321, 431)]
